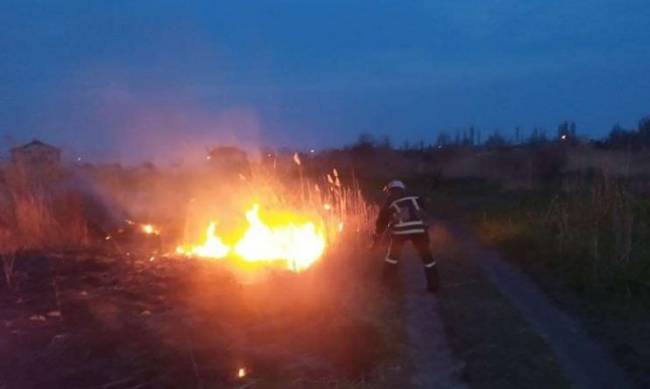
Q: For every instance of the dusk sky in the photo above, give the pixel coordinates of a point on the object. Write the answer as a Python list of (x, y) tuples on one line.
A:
[(136, 79)]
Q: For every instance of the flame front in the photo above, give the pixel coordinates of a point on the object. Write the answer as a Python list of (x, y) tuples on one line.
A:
[(212, 247), (296, 245), (299, 245)]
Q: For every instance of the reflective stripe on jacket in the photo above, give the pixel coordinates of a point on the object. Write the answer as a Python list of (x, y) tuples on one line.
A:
[(402, 215)]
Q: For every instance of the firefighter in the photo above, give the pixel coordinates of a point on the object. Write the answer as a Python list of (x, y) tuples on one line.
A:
[(402, 215)]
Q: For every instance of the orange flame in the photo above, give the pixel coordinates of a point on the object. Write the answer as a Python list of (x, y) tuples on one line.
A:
[(212, 247), (299, 245), (296, 245)]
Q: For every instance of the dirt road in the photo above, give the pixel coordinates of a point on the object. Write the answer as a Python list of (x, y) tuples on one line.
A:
[(428, 349), (585, 363)]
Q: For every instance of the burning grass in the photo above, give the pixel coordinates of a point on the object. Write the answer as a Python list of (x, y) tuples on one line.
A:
[(142, 315), (288, 221), (297, 245)]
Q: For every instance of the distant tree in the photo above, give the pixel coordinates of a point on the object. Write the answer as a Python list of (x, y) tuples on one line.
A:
[(443, 139), (537, 138), (496, 141), (386, 143), (517, 135), (365, 144), (366, 139), (468, 137), (644, 131), (620, 138), (566, 133)]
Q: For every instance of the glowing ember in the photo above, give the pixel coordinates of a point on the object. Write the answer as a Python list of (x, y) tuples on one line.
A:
[(296, 245), (241, 373), (149, 229)]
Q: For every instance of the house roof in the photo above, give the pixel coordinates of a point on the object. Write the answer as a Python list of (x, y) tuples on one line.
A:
[(35, 143)]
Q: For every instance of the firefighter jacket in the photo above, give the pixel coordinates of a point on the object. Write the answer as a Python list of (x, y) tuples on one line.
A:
[(401, 214)]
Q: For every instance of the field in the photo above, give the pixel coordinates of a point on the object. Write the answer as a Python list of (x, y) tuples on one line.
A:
[(113, 305), (581, 235), (106, 283)]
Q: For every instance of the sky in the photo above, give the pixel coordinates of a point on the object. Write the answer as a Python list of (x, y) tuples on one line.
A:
[(136, 80)]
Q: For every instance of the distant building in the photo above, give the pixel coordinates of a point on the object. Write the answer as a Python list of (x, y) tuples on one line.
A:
[(36, 154)]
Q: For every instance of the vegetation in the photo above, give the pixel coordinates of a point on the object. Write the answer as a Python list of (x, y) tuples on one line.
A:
[(144, 318), (573, 213), (587, 247), (494, 355)]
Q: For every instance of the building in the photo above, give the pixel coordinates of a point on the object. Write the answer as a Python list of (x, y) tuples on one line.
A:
[(36, 154)]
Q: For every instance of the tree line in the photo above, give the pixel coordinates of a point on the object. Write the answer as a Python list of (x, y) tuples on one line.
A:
[(472, 137)]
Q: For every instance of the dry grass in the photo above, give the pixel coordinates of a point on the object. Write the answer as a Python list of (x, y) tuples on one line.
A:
[(593, 235), (37, 213), (588, 248), (331, 325), (602, 227)]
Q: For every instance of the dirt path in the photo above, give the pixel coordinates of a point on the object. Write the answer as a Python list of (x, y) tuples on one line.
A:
[(428, 348), (585, 362)]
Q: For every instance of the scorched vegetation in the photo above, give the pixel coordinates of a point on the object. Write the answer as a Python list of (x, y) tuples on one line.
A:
[(114, 278)]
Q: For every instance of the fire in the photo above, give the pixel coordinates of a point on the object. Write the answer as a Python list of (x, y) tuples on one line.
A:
[(299, 245), (241, 372), (212, 247), (279, 240), (149, 229)]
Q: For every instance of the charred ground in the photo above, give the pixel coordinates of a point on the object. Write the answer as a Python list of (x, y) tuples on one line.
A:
[(93, 321)]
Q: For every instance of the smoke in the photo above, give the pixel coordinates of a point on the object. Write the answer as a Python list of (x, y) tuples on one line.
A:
[(166, 126)]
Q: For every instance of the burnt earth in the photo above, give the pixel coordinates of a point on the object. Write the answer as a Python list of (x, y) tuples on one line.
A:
[(122, 322)]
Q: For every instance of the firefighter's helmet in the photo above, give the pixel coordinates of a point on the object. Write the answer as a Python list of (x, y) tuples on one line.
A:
[(395, 184)]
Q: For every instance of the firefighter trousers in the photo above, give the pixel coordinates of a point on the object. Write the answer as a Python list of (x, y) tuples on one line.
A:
[(422, 246)]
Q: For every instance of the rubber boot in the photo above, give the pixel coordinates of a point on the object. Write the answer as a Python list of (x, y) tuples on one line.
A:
[(432, 278)]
